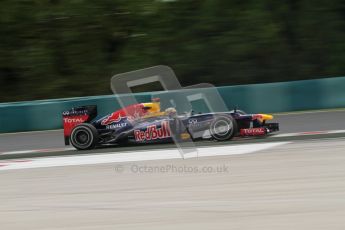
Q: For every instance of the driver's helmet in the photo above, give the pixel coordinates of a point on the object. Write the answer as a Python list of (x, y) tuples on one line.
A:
[(171, 111), (153, 107)]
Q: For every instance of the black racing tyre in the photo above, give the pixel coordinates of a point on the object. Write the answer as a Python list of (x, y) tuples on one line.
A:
[(223, 127), (84, 136)]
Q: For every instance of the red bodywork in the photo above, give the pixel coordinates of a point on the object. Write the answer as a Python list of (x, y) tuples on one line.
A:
[(69, 122)]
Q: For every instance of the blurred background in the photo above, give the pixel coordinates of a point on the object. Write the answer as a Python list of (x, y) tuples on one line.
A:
[(70, 48)]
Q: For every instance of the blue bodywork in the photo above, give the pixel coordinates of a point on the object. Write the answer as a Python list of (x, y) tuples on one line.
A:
[(124, 130)]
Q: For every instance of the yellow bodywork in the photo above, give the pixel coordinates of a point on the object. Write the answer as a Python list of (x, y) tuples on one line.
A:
[(264, 117), (185, 136), (154, 109)]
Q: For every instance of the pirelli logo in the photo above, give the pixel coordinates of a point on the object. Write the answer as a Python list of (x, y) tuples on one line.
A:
[(153, 133)]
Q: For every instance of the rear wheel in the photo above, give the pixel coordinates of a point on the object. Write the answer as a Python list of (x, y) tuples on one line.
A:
[(84, 136), (223, 127)]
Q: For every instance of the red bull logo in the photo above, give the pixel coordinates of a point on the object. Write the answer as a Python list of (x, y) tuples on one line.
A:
[(153, 133), (112, 118)]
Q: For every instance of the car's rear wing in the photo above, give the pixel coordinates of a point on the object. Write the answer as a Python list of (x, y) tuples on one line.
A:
[(75, 116)]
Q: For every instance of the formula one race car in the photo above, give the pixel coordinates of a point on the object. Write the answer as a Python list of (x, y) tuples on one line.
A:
[(146, 123)]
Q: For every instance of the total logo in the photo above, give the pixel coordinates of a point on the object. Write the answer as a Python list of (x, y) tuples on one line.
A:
[(153, 133), (253, 132), (73, 120)]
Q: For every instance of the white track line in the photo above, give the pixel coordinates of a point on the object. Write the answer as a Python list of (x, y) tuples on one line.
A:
[(37, 151), (309, 133), (121, 157)]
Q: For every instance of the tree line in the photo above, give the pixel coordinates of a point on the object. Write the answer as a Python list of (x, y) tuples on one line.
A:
[(64, 48)]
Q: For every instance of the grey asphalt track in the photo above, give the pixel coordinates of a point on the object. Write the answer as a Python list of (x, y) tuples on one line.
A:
[(294, 186), (312, 121), (302, 122)]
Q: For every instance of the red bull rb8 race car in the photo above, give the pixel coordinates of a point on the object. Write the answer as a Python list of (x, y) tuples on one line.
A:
[(145, 123)]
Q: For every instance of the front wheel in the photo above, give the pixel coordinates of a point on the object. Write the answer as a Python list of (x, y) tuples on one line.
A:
[(84, 136), (223, 127)]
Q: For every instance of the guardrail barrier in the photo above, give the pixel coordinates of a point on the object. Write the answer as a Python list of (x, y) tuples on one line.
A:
[(268, 98)]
